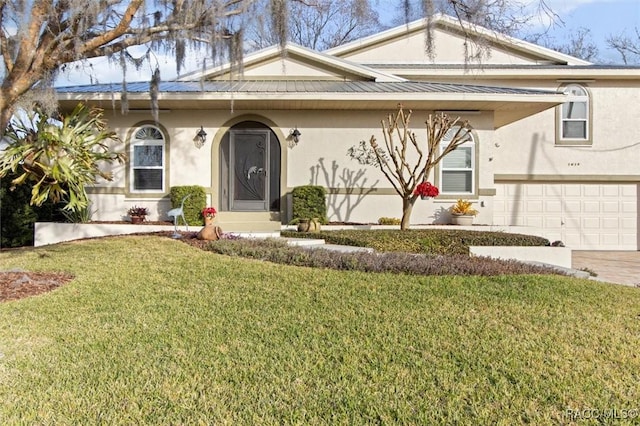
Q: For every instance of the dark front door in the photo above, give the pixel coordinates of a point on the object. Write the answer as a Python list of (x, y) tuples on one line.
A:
[(249, 169)]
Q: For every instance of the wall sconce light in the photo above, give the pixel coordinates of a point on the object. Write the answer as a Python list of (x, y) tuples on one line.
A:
[(295, 135), (201, 136)]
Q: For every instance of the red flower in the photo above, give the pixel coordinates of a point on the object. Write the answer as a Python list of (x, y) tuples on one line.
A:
[(425, 189), (209, 212)]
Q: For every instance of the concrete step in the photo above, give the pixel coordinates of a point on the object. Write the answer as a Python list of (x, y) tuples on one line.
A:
[(248, 221)]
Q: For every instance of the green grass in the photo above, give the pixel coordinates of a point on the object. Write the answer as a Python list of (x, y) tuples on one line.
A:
[(154, 331), (424, 241)]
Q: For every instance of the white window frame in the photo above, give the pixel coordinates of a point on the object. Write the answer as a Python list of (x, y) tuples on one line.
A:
[(471, 145), (573, 99), (135, 142)]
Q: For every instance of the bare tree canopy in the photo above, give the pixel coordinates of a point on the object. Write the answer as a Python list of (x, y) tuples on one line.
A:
[(329, 23), (579, 44), (627, 46), (39, 37)]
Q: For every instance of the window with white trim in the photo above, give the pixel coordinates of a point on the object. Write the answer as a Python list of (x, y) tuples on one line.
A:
[(574, 115), (457, 168), (147, 160)]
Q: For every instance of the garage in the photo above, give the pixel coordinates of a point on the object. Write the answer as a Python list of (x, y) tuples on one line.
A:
[(584, 216)]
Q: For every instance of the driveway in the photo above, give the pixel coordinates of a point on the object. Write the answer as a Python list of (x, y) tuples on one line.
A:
[(621, 267)]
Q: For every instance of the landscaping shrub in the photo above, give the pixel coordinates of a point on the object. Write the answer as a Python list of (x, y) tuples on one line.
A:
[(389, 221), (423, 241), (193, 205), (17, 216), (309, 201), (278, 251)]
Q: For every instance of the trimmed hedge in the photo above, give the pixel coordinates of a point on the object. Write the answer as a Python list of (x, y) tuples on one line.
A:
[(422, 241), (309, 201), (193, 205)]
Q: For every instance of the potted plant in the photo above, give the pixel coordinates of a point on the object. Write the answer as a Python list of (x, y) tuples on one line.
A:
[(209, 213), (462, 212), (138, 214), (426, 190)]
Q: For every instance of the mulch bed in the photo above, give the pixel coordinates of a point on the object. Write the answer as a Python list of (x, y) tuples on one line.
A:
[(16, 285)]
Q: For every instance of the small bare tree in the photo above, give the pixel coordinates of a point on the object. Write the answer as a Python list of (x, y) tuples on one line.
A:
[(327, 24), (627, 46), (405, 161), (579, 43)]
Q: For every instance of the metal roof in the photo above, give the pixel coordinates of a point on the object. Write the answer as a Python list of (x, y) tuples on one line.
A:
[(532, 67), (301, 86)]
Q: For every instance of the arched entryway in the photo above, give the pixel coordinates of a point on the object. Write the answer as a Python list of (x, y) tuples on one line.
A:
[(250, 168)]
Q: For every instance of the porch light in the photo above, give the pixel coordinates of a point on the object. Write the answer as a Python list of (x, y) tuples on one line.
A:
[(201, 135), (295, 135)]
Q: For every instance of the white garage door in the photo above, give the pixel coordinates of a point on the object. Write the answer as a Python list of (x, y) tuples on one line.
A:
[(582, 216)]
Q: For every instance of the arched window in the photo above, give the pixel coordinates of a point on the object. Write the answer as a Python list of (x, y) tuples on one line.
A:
[(574, 116), (457, 169), (147, 160)]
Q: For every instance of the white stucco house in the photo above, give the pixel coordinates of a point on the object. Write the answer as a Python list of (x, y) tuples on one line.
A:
[(554, 147)]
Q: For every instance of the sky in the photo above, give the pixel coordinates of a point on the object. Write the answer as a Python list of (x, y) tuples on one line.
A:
[(602, 17)]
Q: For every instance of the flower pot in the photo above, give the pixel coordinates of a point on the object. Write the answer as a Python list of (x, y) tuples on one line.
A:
[(424, 197), (309, 225), (461, 219), (303, 225), (314, 225), (137, 219)]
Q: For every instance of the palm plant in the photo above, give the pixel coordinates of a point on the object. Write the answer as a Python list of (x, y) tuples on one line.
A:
[(59, 155)]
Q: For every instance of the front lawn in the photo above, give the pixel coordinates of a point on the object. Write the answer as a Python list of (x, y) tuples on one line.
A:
[(424, 241), (154, 331)]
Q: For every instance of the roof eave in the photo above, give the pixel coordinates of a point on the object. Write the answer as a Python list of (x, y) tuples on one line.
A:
[(506, 108), (534, 72)]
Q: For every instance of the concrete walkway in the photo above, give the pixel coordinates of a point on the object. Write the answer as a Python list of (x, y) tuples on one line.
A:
[(620, 267)]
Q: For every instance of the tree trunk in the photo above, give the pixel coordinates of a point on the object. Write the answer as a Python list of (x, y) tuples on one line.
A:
[(407, 207), (5, 115)]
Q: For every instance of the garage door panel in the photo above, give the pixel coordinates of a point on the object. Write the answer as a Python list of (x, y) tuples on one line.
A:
[(572, 190), (552, 190), (552, 206), (572, 239), (534, 206), (591, 223), (591, 207), (628, 240), (534, 190), (591, 190), (610, 223), (551, 222), (610, 206), (534, 221), (584, 216), (572, 206), (610, 239), (572, 223), (610, 191)]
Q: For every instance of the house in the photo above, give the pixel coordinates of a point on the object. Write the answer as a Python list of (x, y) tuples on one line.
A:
[(554, 146)]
